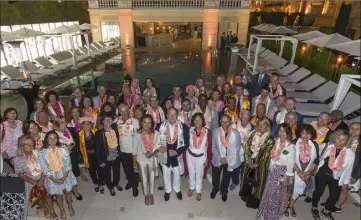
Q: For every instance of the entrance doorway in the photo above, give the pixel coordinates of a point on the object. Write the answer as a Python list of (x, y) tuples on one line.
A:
[(227, 28), (168, 34)]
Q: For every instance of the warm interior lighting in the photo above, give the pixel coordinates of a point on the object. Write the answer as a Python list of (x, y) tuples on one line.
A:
[(151, 28), (339, 59), (304, 48), (325, 7)]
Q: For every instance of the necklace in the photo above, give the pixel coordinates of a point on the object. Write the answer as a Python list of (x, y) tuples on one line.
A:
[(148, 142), (225, 141), (332, 160), (276, 151), (175, 133), (198, 138), (305, 152)]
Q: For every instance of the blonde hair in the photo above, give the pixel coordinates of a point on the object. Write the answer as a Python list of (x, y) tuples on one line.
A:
[(20, 151), (57, 122), (340, 132), (259, 122)]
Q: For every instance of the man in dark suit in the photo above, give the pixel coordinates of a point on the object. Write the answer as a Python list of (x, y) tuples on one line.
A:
[(223, 43), (259, 81), (336, 123)]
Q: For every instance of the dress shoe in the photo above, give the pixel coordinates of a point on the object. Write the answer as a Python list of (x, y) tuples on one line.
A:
[(166, 196), (224, 197), (315, 214), (327, 215), (308, 199), (112, 192), (135, 192), (119, 188), (146, 200), (128, 186), (213, 194), (151, 200), (78, 197), (179, 195)]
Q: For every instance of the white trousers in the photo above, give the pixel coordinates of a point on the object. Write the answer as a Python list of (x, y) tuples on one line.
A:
[(195, 171), (147, 175), (167, 178)]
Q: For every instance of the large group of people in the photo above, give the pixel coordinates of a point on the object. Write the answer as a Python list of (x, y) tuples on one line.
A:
[(249, 133)]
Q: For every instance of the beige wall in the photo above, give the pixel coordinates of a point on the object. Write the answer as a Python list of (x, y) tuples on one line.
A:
[(210, 18)]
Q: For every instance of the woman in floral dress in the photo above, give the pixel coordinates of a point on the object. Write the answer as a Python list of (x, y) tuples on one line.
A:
[(32, 129), (28, 168), (59, 179), (280, 176)]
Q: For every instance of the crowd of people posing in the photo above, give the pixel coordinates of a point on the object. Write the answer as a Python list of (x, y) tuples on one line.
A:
[(247, 133)]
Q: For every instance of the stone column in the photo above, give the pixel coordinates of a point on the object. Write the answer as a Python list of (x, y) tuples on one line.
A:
[(234, 58), (126, 28), (243, 23), (95, 20)]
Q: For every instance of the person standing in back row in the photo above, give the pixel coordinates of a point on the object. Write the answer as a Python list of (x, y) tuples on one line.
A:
[(259, 81)]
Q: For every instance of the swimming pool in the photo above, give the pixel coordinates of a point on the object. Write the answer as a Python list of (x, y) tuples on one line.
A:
[(166, 69)]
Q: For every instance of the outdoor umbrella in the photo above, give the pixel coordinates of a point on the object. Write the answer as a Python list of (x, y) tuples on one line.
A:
[(78, 28), (309, 35), (352, 47), (327, 41), (281, 30), (258, 27), (87, 26), (7, 36)]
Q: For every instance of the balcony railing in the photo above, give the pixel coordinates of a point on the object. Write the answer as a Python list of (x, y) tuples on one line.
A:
[(168, 4)]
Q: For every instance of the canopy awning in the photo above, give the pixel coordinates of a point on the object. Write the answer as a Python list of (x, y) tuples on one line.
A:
[(328, 40), (87, 26), (62, 30), (281, 30), (26, 32), (352, 47), (309, 35)]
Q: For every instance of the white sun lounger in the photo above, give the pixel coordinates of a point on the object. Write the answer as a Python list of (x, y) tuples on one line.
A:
[(350, 104), (305, 85), (84, 51), (244, 51), (29, 66), (12, 73), (95, 48), (296, 76), (267, 55), (286, 70), (321, 94), (102, 44), (276, 61), (10, 84), (46, 64), (357, 119)]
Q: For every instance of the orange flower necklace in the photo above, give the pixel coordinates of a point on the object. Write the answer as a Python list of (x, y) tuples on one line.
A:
[(225, 141), (55, 159), (341, 159), (33, 165), (175, 133), (233, 114), (305, 152), (276, 151), (197, 140), (155, 115), (354, 145), (148, 142)]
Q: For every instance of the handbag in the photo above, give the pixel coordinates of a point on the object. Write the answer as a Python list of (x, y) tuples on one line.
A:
[(37, 193), (250, 180)]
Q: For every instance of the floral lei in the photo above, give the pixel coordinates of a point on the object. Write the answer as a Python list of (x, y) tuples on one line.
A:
[(197, 140), (341, 159), (305, 153), (175, 133), (276, 151), (277, 93), (148, 143), (155, 115), (225, 141), (185, 118), (233, 114), (33, 165), (128, 127), (354, 145)]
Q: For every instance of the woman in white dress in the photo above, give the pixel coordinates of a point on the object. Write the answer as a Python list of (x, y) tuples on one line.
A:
[(145, 161)]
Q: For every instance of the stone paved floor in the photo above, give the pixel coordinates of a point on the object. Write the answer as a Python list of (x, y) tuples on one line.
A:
[(124, 206)]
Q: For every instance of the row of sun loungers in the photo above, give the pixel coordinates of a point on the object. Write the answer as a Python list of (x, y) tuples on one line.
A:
[(313, 93), (56, 64)]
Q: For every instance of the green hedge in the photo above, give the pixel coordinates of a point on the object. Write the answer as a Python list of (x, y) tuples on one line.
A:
[(32, 12)]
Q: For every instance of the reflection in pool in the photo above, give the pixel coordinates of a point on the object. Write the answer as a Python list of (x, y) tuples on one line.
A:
[(166, 69)]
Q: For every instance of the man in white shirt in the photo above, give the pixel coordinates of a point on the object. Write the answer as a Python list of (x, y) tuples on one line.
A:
[(127, 127), (155, 110), (101, 97)]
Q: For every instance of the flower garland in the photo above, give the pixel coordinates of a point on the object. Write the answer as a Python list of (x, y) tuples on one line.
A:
[(246, 105), (243, 131), (258, 140), (225, 141), (233, 114), (197, 140), (267, 102), (55, 159), (111, 139), (354, 145), (148, 143), (101, 100), (305, 153), (321, 132), (33, 165), (185, 118), (155, 115), (277, 93), (341, 159), (125, 127), (334, 126), (175, 133), (276, 151), (294, 130)]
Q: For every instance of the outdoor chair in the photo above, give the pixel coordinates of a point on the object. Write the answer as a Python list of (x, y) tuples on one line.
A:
[(11, 73), (286, 70), (46, 64), (321, 94), (30, 67), (296, 76), (350, 104), (305, 85)]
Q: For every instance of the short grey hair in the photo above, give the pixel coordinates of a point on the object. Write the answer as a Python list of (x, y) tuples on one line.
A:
[(339, 114), (245, 112)]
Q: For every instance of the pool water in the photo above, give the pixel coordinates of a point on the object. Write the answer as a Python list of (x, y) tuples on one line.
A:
[(166, 69)]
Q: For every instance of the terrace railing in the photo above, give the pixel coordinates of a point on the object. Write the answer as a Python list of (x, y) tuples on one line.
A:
[(169, 4)]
